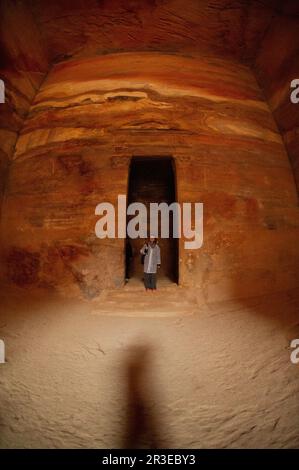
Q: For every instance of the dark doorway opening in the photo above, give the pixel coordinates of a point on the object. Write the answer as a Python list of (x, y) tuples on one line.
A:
[(152, 179)]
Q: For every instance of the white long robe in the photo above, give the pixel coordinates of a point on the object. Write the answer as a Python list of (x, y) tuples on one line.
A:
[(152, 258)]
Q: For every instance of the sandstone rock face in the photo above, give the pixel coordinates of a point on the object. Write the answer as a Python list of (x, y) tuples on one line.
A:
[(92, 115), (23, 66), (277, 65), (218, 369), (91, 27)]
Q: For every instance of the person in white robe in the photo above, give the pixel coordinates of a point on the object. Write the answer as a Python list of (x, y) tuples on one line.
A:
[(151, 257)]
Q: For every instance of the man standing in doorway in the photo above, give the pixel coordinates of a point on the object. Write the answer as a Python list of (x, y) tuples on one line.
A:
[(151, 261)]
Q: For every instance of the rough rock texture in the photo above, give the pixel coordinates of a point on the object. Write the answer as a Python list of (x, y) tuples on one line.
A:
[(87, 121), (277, 64), (92, 27), (23, 66), (218, 364)]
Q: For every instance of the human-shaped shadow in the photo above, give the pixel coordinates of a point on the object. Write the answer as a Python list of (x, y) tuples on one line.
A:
[(141, 430)]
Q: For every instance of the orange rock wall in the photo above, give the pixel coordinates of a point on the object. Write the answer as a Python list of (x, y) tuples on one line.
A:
[(23, 66), (277, 64), (91, 116), (83, 28)]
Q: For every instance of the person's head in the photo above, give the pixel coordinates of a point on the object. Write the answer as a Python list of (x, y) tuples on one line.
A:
[(153, 240)]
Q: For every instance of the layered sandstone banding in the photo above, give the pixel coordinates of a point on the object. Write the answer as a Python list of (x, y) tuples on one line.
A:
[(277, 66), (90, 86), (91, 116), (23, 66)]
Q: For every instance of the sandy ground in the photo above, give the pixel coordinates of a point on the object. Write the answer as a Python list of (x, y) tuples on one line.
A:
[(219, 377)]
